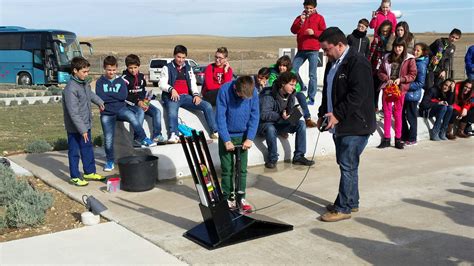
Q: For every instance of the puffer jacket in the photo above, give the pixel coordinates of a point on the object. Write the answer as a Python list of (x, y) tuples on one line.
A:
[(416, 87), (407, 72)]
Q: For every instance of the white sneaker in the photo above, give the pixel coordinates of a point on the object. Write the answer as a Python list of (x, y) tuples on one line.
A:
[(231, 204), (173, 139), (245, 206)]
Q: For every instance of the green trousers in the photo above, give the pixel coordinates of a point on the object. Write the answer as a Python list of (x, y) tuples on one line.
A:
[(227, 166)]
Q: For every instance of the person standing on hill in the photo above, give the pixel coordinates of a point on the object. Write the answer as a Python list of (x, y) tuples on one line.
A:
[(307, 27)]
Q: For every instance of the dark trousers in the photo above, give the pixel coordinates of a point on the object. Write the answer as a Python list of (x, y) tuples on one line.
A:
[(78, 149), (409, 121)]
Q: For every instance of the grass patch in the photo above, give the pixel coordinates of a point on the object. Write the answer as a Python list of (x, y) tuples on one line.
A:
[(20, 125)]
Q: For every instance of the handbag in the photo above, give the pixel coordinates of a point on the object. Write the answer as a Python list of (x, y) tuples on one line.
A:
[(184, 129), (392, 93)]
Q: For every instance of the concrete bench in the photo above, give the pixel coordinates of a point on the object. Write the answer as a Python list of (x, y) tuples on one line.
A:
[(172, 162)]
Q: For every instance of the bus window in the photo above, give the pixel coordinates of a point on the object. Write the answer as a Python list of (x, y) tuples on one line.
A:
[(10, 42), (31, 41)]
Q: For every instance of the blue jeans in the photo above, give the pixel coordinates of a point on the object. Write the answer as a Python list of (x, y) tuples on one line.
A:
[(348, 151), (443, 116), (304, 105), (152, 112), (108, 128), (186, 101), (270, 130), (83, 150), (312, 57)]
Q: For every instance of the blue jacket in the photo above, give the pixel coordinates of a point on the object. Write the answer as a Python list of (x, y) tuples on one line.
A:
[(416, 87), (235, 116), (469, 60), (113, 93)]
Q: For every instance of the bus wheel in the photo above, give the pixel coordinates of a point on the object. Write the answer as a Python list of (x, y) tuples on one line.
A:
[(24, 79)]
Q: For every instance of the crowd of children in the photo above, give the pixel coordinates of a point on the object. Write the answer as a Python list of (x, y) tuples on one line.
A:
[(415, 80)]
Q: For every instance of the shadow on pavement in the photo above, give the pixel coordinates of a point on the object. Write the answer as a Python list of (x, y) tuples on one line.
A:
[(467, 184), (405, 246), (307, 200), (460, 213), (163, 216)]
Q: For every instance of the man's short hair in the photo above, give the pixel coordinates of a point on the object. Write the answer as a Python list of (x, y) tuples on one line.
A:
[(333, 35), (456, 32), (245, 86), (79, 63), (110, 61), (180, 49), (285, 78), (310, 3), (223, 50), (264, 72), (364, 22), (132, 59)]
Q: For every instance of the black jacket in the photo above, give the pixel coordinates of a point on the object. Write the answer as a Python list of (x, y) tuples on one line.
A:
[(352, 96), (136, 86), (270, 108), (433, 96), (360, 42)]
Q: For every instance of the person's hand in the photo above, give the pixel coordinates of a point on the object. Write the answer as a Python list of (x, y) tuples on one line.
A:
[(197, 100), (319, 122), (226, 66), (442, 74), (464, 112), (85, 136), (229, 146), (247, 144), (332, 121), (142, 105), (389, 82), (101, 107), (284, 115), (443, 103), (374, 14), (397, 82), (174, 95), (303, 16), (309, 32), (453, 85)]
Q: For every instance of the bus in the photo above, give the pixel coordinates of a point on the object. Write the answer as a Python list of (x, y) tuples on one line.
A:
[(36, 56)]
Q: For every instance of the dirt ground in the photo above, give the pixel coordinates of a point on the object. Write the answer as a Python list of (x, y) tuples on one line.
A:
[(65, 214)]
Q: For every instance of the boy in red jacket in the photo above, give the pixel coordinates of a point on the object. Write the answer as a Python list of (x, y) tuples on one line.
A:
[(215, 75), (307, 27)]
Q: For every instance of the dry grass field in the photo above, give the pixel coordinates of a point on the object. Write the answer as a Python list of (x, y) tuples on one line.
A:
[(247, 55)]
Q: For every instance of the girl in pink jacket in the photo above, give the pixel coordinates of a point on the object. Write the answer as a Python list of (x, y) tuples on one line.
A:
[(398, 68), (381, 14)]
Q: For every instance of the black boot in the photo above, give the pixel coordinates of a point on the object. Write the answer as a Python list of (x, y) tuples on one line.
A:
[(385, 143), (399, 144)]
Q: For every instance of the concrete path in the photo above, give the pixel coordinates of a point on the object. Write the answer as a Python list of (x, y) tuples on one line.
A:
[(106, 243), (417, 208)]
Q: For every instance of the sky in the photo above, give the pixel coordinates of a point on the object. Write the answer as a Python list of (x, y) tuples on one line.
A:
[(248, 18)]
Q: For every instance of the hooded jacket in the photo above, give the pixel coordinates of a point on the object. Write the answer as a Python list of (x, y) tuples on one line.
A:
[(308, 42), (379, 18), (359, 42), (416, 87), (407, 72), (113, 93)]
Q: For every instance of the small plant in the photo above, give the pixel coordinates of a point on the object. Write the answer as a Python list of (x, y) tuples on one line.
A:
[(38, 102), (60, 144), (30, 94), (13, 103), (55, 90), (3, 104), (47, 93), (98, 141), (20, 94), (38, 146), (25, 102)]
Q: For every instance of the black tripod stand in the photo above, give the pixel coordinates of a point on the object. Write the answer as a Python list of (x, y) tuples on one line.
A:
[(221, 225)]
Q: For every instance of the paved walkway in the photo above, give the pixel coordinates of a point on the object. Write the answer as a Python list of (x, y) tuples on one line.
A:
[(416, 208)]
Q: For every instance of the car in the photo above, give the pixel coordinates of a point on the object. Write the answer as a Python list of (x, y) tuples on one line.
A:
[(156, 64), (199, 73)]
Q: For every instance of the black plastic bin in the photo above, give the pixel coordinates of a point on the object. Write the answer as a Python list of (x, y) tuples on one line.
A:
[(138, 173)]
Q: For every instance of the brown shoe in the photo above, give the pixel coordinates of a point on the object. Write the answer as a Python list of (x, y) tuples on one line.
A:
[(331, 208), (310, 123), (334, 216)]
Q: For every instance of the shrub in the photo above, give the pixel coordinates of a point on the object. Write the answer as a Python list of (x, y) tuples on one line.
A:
[(55, 90), (20, 204), (20, 94), (25, 102), (98, 141), (38, 146), (38, 102), (3, 104), (60, 144), (9, 95), (30, 94), (47, 93), (13, 103)]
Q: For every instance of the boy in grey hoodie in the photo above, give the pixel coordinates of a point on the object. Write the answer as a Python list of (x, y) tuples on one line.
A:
[(77, 98)]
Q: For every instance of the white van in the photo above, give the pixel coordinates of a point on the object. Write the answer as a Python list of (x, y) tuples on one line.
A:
[(156, 64)]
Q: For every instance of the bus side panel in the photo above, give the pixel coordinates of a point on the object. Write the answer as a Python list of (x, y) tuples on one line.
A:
[(13, 62)]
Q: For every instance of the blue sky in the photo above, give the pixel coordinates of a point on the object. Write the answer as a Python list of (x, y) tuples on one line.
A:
[(226, 18)]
